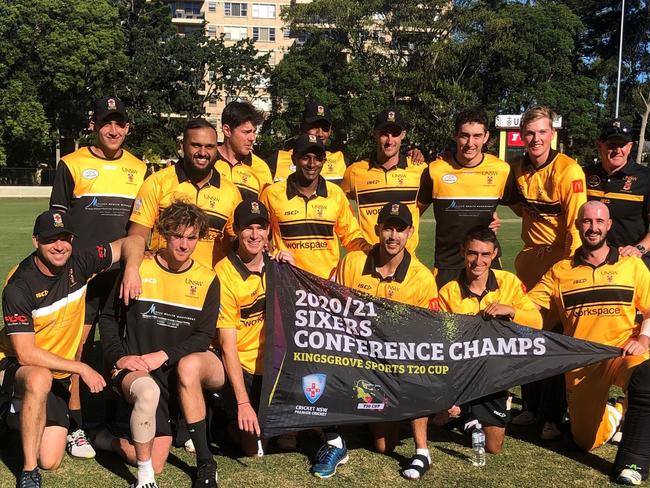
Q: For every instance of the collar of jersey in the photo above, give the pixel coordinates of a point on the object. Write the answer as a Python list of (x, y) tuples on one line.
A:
[(374, 163), (463, 166), (491, 285), (370, 267), (292, 187), (247, 160), (241, 268), (551, 157), (215, 179), (579, 260)]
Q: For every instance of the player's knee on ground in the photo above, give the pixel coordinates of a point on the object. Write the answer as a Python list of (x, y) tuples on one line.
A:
[(187, 370), (146, 393), (50, 460)]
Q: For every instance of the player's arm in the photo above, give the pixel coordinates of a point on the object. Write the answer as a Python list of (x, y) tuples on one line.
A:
[(274, 232), (572, 197), (425, 193), (416, 156), (544, 291), (348, 231), (640, 344), (347, 185), (62, 188), (428, 291), (523, 310)]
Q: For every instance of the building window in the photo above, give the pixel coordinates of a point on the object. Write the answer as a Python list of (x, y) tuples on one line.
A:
[(264, 34), (235, 33), (212, 6), (235, 9), (263, 11), (212, 30)]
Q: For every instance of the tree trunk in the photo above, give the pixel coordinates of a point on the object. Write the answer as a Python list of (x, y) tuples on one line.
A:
[(644, 124)]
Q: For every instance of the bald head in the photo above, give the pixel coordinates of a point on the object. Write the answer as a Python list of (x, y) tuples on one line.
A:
[(593, 206), (594, 223)]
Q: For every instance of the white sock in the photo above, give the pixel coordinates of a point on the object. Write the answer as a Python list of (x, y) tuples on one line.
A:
[(338, 442), (412, 473), (145, 472), (424, 452)]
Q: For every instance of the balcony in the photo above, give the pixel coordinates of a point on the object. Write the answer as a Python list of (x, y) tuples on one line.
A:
[(187, 17)]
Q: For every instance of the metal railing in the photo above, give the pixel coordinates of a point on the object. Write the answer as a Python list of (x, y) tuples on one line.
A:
[(26, 176)]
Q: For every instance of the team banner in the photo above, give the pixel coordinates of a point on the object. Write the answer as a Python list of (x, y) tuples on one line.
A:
[(336, 356)]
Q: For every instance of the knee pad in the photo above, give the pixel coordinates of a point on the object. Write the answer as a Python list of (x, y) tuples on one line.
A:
[(146, 393)]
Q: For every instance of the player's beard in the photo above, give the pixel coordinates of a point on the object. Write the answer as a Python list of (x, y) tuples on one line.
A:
[(197, 174), (594, 247)]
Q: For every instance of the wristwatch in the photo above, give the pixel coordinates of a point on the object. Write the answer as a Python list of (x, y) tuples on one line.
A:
[(641, 248)]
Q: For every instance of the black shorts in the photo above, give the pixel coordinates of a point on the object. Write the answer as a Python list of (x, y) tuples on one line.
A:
[(491, 410), (253, 385), (56, 409), (97, 292)]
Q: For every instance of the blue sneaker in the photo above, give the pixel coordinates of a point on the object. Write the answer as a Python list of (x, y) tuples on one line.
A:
[(327, 459)]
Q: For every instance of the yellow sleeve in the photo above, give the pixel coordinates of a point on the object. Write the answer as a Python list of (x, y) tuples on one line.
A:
[(147, 203), (229, 313), (428, 296), (544, 291), (274, 235), (347, 185), (347, 228), (445, 301), (525, 311), (642, 288), (573, 195)]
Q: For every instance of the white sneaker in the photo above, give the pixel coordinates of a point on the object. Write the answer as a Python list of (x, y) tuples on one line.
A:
[(550, 431), (189, 446), (524, 418), (629, 476), (78, 445), (150, 484)]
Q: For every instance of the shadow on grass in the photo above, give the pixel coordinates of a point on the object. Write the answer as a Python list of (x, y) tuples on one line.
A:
[(115, 464)]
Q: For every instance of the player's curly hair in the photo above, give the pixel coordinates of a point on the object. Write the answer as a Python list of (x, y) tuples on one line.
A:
[(536, 112), (181, 214)]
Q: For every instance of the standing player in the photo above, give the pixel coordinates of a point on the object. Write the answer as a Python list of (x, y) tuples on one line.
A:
[(173, 317), (597, 293), (43, 309), (388, 176), (194, 179), (96, 186), (491, 293), (465, 188), (624, 186), (389, 270), (236, 161), (552, 189), (309, 214)]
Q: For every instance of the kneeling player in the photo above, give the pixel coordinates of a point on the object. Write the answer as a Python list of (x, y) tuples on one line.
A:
[(173, 317), (492, 293)]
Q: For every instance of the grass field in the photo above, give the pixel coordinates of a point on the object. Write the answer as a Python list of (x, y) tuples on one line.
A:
[(525, 462)]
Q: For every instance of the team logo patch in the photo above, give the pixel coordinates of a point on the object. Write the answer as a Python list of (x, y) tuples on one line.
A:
[(394, 209), (390, 117), (313, 139), (330, 167), (593, 181), (320, 110), (192, 290), (577, 186), (371, 396), (449, 179), (129, 177), (110, 104), (616, 124), (89, 174), (490, 179), (400, 180), (255, 207), (627, 186), (58, 221), (101, 252), (137, 204), (313, 386)]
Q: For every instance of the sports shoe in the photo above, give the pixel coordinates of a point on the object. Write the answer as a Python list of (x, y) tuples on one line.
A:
[(79, 446), (629, 476), (29, 479), (327, 460), (150, 484), (550, 431), (206, 475), (524, 418), (189, 446)]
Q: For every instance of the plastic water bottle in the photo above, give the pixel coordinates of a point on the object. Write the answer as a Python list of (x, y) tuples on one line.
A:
[(478, 446)]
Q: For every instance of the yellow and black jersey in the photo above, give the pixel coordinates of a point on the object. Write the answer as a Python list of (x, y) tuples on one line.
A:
[(596, 303), (176, 313), (333, 168), (310, 228), (243, 305), (462, 198), (372, 187), (551, 196), (502, 287), (51, 307), (250, 175), (217, 198), (412, 282), (98, 193), (626, 193)]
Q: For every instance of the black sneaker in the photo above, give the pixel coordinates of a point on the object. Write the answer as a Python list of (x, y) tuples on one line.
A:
[(206, 475), (29, 479)]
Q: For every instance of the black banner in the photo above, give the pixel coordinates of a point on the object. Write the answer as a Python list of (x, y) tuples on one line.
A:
[(336, 356)]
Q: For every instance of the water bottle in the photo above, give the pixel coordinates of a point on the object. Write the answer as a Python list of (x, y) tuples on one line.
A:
[(478, 446)]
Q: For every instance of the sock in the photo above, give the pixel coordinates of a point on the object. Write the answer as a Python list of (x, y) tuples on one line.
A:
[(424, 452), (145, 472), (336, 441), (76, 420), (199, 435)]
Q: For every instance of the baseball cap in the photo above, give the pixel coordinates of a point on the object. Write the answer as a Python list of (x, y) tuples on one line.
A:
[(248, 212), (395, 211), (315, 111), (51, 223), (615, 129), (307, 143), (389, 119), (109, 107)]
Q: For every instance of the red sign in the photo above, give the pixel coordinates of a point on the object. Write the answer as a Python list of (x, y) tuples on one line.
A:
[(577, 186), (514, 139)]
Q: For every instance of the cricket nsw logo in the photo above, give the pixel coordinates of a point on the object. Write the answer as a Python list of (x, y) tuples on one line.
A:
[(313, 386)]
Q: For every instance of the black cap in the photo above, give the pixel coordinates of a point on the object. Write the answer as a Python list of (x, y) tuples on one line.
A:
[(389, 119), (395, 211), (110, 108), (615, 129), (51, 223), (307, 143), (315, 111), (248, 212)]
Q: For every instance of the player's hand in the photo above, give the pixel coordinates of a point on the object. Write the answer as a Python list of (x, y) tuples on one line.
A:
[(636, 346), (247, 419), (629, 251), (283, 257), (494, 310), (155, 360), (94, 381), (454, 411), (417, 158), (148, 254), (496, 222), (132, 363), (131, 286)]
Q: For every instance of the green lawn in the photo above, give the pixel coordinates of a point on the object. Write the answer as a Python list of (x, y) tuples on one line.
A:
[(526, 461)]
